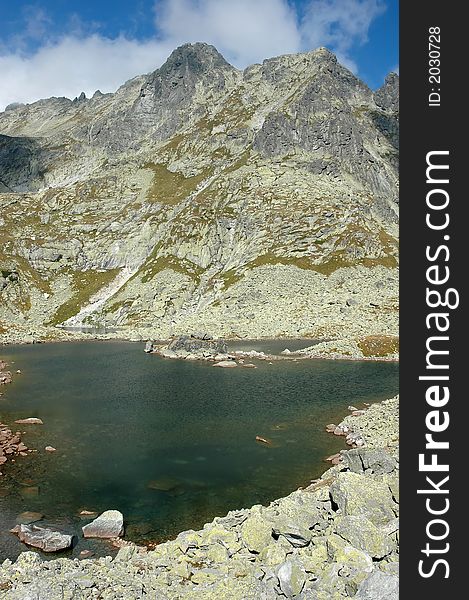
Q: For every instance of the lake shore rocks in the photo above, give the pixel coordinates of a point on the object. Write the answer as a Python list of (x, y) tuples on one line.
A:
[(5, 374), (30, 421), (10, 445), (336, 538), (110, 524), (197, 346), (43, 538)]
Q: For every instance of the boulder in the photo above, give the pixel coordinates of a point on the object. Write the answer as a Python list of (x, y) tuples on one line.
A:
[(148, 347), (298, 535), (355, 495), (109, 524), (226, 364), (364, 535), (379, 586), (291, 577), (196, 345), (256, 533), (373, 460), (355, 439), (43, 538), (165, 353)]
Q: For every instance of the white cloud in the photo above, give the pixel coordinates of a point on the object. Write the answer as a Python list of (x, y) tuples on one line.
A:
[(244, 31), (339, 25), (74, 64)]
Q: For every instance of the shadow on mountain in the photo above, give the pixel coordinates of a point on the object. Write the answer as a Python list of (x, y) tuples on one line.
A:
[(21, 164)]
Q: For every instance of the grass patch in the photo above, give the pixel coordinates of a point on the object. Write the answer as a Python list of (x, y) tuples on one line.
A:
[(85, 284), (117, 305), (171, 188), (379, 345), (155, 265)]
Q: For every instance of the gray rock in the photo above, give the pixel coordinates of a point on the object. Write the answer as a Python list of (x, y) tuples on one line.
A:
[(226, 364), (291, 576), (148, 346), (43, 538), (198, 335), (256, 532), (193, 345), (295, 531), (370, 497), (379, 586), (364, 535), (373, 460), (110, 524)]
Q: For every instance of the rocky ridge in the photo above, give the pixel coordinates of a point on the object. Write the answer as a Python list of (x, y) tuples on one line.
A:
[(260, 203), (336, 538)]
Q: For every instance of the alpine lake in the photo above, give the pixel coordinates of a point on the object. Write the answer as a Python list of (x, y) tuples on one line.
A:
[(169, 443)]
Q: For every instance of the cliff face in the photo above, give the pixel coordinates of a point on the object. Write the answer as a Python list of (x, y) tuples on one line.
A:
[(261, 202)]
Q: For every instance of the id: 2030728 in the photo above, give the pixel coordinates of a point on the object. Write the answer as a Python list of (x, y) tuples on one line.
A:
[(434, 73)]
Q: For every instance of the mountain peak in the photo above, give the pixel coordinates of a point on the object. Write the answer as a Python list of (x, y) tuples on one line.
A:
[(387, 96), (325, 54), (196, 58)]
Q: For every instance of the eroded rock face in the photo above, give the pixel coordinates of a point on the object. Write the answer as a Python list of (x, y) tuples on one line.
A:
[(110, 524)]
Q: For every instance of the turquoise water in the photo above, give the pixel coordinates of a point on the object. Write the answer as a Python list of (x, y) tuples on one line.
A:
[(127, 424)]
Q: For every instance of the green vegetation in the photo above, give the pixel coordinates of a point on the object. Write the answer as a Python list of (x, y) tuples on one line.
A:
[(117, 305), (379, 345), (155, 265), (85, 284), (171, 188)]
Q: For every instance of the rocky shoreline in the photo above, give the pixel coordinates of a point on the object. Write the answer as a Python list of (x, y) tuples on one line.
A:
[(336, 538), (379, 348), (10, 442)]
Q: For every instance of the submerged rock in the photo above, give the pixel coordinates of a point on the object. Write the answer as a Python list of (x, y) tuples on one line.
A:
[(30, 421), (27, 517), (163, 484), (109, 524), (45, 539)]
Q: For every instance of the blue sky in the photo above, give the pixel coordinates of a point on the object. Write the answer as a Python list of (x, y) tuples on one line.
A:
[(63, 47)]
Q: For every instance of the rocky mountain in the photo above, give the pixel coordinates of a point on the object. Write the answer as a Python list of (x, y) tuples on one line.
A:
[(248, 203)]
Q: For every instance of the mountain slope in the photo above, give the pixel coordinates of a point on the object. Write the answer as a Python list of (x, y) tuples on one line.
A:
[(254, 203)]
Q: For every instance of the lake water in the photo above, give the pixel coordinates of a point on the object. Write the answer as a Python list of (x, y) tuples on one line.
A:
[(169, 443)]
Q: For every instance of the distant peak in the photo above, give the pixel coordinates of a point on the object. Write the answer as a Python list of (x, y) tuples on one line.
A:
[(387, 96), (80, 98), (391, 78), (195, 57)]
